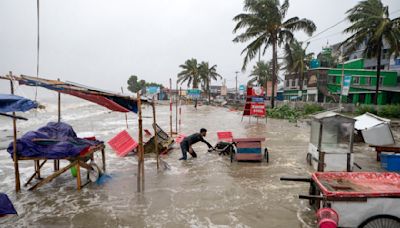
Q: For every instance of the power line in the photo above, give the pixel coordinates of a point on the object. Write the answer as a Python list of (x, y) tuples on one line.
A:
[(325, 30)]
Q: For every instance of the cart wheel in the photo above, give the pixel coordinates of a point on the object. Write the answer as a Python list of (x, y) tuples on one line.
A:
[(232, 152), (381, 221), (266, 154), (309, 158)]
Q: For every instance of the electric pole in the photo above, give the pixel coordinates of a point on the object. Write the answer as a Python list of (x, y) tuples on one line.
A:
[(236, 90)]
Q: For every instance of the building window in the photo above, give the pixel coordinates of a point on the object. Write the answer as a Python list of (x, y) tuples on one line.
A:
[(293, 82), (304, 82), (381, 81), (356, 80), (368, 81), (332, 79), (287, 83)]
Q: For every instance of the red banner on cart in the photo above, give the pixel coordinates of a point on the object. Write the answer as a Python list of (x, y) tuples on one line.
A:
[(257, 109)]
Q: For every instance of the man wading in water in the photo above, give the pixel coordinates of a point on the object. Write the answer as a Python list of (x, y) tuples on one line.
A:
[(186, 144)]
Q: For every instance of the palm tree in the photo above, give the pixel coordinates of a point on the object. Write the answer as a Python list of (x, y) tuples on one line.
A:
[(297, 60), (264, 25), (190, 73), (207, 74), (372, 26), (261, 74)]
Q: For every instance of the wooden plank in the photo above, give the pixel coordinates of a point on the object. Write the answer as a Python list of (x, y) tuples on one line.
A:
[(251, 144), (249, 157), (52, 176)]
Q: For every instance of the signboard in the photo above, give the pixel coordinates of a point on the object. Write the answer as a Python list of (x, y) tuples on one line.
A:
[(346, 85), (194, 93), (152, 89), (257, 109), (257, 91), (224, 90), (242, 88), (269, 89), (257, 99)]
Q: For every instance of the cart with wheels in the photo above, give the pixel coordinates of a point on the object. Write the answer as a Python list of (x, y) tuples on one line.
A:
[(249, 149), (360, 199)]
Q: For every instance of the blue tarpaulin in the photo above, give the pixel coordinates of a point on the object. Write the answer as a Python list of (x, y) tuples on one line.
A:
[(13, 103), (53, 141), (6, 207)]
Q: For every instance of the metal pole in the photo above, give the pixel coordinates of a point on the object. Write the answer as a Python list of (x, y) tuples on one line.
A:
[(176, 109), (15, 156), (155, 133), (126, 115), (341, 85), (170, 107), (236, 90), (180, 109)]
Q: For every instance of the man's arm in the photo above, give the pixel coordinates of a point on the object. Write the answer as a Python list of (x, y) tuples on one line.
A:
[(204, 141)]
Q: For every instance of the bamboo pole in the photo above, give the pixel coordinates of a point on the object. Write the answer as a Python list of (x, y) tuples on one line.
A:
[(140, 179), (126, 115), (155, 134), (15, 156), (170, 107), (57, 162)]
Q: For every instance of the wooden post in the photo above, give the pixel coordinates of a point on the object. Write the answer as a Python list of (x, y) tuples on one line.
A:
[(321, 155), (126, 115), (57, 162), (155, 134), (140, 179), (15, 156), (170, 107)]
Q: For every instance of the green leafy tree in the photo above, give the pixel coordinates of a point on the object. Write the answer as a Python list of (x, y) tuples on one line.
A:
[(207, 74), (297, 60), (264, 26), (190, 73), (134, 85), (371, 25), (261, 74)]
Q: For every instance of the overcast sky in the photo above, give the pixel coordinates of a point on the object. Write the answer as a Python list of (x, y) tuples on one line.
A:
[(102, 42)]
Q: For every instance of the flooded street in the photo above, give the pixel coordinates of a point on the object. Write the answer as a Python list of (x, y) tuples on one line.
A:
[(208, 191)]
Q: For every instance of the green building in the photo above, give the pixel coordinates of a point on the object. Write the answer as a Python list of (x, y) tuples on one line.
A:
[(363, 84), (324, 85)]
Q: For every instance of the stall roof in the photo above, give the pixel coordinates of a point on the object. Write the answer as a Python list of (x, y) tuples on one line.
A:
[(113, 101), (368, 120), (329, 114)]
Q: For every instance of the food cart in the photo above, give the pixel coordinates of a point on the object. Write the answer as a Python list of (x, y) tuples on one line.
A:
[(331, 142), (360, 199)]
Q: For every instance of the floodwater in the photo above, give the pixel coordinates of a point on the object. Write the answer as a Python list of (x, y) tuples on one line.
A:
[(208, 191)]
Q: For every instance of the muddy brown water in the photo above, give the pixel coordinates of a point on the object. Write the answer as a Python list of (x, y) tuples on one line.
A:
[(208, 191)]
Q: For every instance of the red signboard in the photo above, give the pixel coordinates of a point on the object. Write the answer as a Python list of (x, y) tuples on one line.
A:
[(257, 109)]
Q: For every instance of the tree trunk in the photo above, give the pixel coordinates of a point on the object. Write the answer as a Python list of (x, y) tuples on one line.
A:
[(378, 71), (301, 78), (274, 61)]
